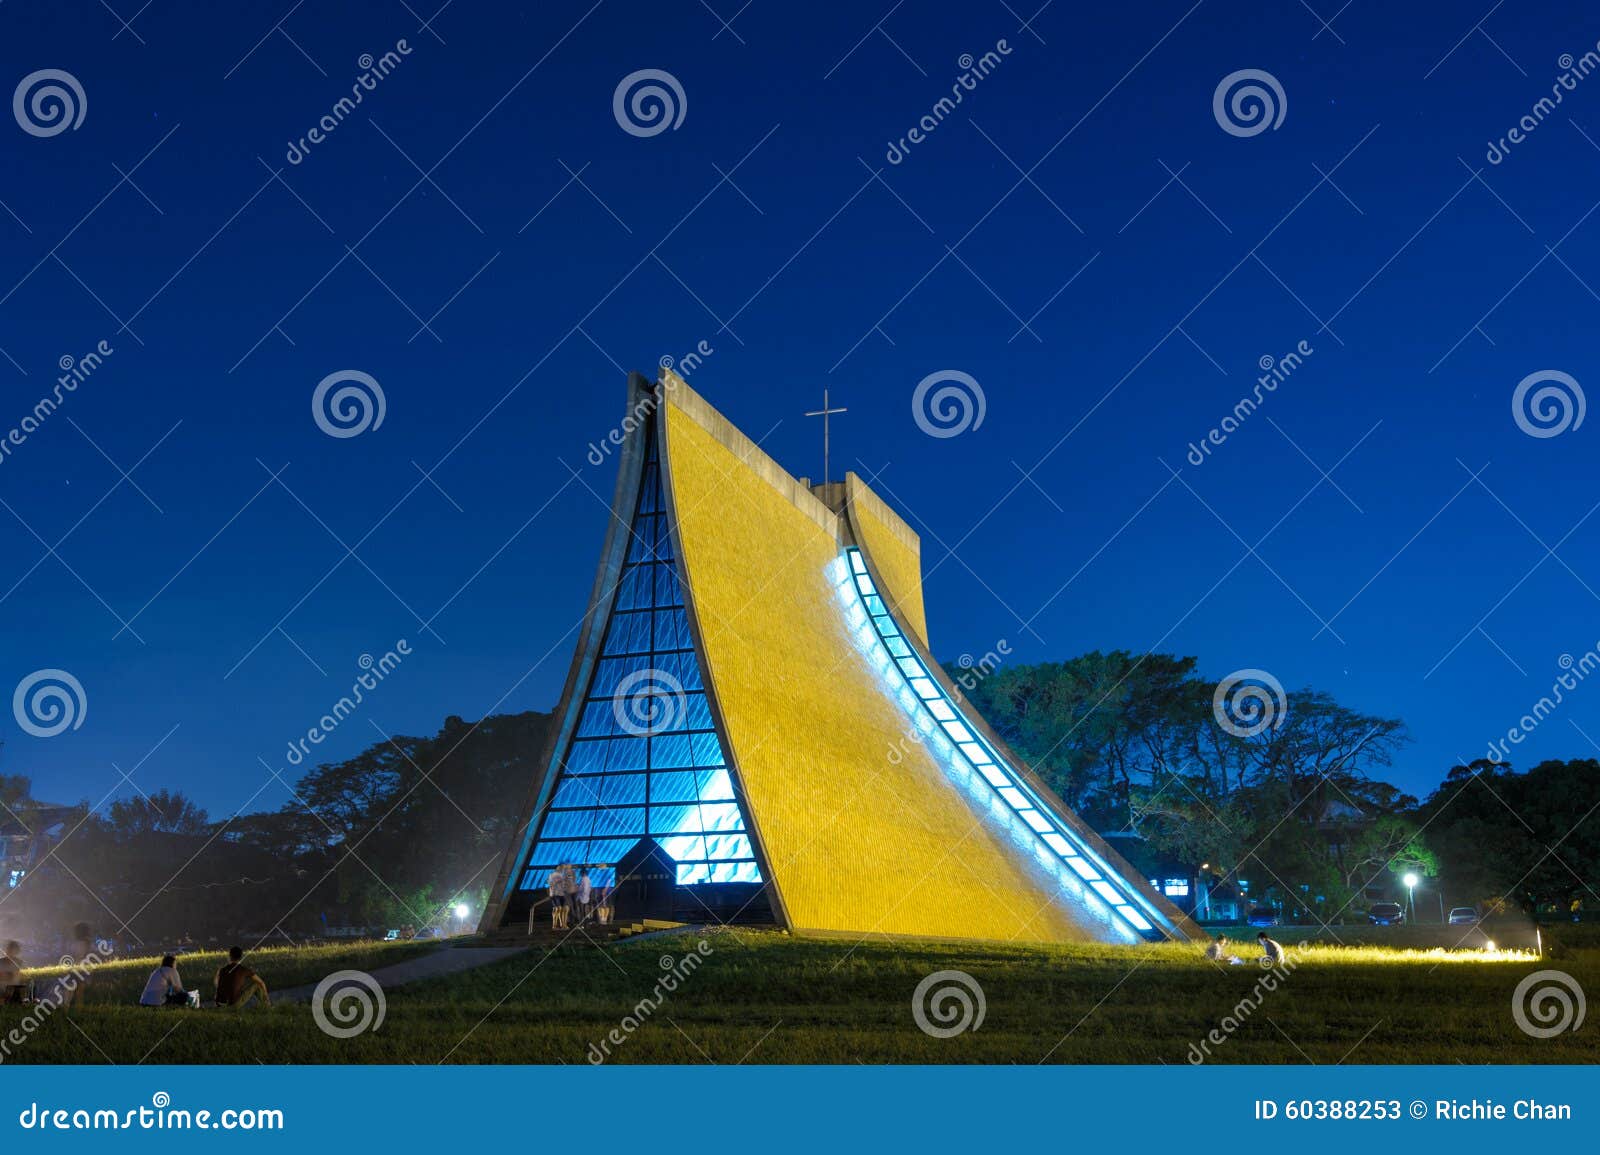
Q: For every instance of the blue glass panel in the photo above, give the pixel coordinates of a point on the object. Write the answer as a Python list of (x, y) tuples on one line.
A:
[(721, 816), (707, 750), (577, 792), (626, 754), (697, 712), (628, 634), (569, 824), (618, 821), (633, 591), (673, 787), (610, 671), (622, 789), (684, 847), (694, 872), (667, 591), (875, 605), (898, 647), (716, 785), (548, 854), (674, 820), (671, 752), (599, 720), (586, 757), (672, 630), (727, 846), (608, 849), (733, 872), (650, 492)]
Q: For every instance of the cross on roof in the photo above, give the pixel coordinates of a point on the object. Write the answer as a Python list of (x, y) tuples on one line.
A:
[(825, 413)]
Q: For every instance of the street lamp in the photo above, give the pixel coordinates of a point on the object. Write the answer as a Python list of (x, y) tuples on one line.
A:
[(1411, 881), (462, 910)]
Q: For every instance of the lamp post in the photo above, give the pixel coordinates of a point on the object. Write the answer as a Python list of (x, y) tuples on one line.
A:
[(462, 911), (1411, 893)]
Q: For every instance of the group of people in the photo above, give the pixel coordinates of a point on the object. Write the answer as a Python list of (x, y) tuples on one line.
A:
[(235, 984), (574, 891), (1272, 952)]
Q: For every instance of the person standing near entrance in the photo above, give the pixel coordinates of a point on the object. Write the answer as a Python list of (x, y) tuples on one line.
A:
[(583, 893), (602, 896), (558, 897)]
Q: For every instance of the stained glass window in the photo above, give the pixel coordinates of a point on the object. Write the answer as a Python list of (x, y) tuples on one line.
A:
[(645, 758)]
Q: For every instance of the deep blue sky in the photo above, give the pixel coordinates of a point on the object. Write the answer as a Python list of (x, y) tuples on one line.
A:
[(1402, 259)]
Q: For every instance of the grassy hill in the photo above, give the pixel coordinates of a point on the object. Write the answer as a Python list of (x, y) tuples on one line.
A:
[(764, 997)]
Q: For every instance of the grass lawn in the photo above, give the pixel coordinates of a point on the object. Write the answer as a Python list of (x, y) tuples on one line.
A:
[(767, 998)]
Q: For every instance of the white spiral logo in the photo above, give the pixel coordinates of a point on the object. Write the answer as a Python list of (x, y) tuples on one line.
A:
[(1247, 702), (1257, 102), (349, 411), (47, 702), (1551, 410), (948, 1003), (161, 1099), (657, 102), (57, 102), (666, 361), (649, 702), (348, 1003), (1547, 1003), (948, 403)]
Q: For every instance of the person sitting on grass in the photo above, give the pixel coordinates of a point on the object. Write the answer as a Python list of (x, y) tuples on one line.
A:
[(164, 988), (12, 988), (237, 984), (1271, 950), (1218, 951)]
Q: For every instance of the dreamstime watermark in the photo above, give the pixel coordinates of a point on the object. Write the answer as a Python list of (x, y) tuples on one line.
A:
[(1248, 102), (677, 973), (1276, 973), (374, 671), (1572, 71), (948, 1003), (74, 372), (48, 1003), (355, 406), (676, 370), (649, 102), (1274, 372), (649, 701), (975, 670), (1546, 1003), (49, 102), (1574, 671), (948, 403), (49, 702), (1548, 403), (372, 71), (161, 1115), (1249, 701), (972, 71), (348, 1003)]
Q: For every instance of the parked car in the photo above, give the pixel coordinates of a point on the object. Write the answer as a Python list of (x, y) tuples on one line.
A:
[(1463, 916), (1263, 916), (1387, 914)]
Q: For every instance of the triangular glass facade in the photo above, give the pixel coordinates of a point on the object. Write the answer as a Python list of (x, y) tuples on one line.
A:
[(644, 759)]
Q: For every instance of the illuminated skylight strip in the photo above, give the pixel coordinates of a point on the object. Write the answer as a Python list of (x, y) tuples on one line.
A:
[(944, 727)]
